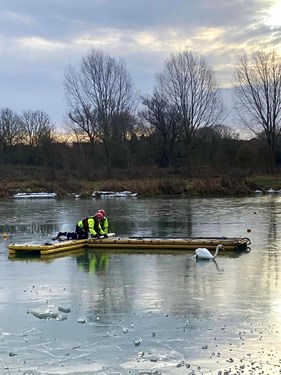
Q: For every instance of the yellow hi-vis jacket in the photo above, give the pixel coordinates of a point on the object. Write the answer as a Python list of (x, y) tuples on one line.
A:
[(104, 225), (90, 225)]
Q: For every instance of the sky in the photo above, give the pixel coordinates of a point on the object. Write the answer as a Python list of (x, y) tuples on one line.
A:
[(40, 39)]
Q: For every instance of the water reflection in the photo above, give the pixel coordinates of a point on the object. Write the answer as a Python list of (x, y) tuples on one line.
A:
[(203, 263), (272, 233), (38, 229), (93, 263)]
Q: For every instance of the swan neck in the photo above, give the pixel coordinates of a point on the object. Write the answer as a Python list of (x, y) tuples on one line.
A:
[(216, 252)]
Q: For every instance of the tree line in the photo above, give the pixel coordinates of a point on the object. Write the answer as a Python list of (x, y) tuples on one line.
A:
[(179, 127)]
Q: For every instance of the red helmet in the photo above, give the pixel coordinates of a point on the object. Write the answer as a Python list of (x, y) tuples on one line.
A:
[(99, 216), (102, 212)]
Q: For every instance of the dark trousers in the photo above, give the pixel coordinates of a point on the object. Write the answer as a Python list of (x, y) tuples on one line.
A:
[(79, 234)]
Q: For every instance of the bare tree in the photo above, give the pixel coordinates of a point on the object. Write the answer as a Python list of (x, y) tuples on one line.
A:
[(258, 97), (189, 86), (81, 116), (98, 95), (37, 127), (10, 127), (165, 120)]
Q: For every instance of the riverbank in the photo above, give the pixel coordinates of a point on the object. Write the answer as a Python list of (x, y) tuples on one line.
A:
[(147, 187)]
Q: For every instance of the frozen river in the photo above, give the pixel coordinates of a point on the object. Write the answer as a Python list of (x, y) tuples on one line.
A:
[(143, 313)]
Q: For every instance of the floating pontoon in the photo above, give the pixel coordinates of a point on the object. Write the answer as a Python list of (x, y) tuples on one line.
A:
[(133, 244), (184, 244), (47, 248)]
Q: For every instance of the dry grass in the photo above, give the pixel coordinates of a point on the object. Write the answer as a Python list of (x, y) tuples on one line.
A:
[(178, 186), (13, 180), (144, 187)]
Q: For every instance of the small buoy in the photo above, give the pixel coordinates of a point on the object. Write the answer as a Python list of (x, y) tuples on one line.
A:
[(249, 230), (4, 236)]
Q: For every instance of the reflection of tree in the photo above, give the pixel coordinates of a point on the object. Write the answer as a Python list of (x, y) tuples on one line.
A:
[(189, 219), (33, 228), (272, 232), (169, 221), (270, 270), (93, 263), (273, 242)]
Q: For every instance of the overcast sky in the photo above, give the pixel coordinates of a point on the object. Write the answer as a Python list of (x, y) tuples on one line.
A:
[(40, 38)]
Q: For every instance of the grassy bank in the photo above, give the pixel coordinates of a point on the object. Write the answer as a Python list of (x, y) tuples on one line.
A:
[(150, 187), (150, 183)]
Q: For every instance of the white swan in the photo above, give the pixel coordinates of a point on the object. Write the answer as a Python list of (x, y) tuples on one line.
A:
[(203, 253)]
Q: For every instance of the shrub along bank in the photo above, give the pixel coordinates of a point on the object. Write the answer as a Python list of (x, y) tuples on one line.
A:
[(150, 187), (151, 183)]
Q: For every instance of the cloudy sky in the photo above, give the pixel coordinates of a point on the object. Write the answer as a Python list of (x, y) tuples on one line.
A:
[(40, 38)]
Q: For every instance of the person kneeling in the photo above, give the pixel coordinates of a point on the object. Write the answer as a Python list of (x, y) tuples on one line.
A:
[(90, 225)]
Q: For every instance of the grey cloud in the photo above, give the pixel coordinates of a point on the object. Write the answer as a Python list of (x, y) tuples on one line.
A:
[(33, 78), (61, 16)]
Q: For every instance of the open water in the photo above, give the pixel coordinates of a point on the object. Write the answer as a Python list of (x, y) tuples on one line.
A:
[(141, 313)]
